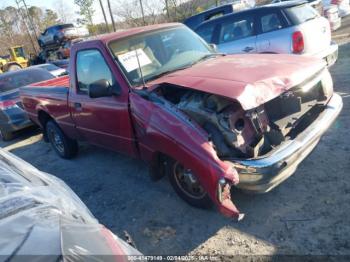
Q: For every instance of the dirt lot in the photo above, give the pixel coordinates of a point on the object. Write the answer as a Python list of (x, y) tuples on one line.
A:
[(308, 214)]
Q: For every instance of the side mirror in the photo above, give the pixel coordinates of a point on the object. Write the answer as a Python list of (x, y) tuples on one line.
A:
[(100, 88), (213, 47)]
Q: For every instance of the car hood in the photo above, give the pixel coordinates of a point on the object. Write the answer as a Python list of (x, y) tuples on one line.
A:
[(252, 80)]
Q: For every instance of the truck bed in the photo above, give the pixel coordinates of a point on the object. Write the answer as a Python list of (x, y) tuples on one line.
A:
[(48, 96)]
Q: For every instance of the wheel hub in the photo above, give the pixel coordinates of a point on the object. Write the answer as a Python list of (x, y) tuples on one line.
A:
[(57, 141), (188, 182)]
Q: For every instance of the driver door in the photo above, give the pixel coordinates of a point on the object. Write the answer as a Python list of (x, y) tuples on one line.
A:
[(103, 121)]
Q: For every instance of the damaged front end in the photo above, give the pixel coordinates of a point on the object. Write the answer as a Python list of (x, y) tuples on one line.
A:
[(264, 144), (226, 143)]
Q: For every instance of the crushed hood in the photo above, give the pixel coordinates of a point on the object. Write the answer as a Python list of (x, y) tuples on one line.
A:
[(252, 80)]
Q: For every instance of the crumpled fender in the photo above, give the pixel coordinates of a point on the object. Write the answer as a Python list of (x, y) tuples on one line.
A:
[(162, 128)]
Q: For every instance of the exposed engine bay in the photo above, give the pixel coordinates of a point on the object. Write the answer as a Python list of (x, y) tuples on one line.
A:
[(236, 133)]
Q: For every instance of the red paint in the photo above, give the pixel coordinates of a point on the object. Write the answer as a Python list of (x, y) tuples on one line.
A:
[(135, 126)]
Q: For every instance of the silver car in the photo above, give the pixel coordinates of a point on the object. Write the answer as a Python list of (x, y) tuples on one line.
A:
[(291, 27)]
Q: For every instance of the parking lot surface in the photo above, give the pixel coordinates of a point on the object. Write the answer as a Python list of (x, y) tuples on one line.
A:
[(307, 214)]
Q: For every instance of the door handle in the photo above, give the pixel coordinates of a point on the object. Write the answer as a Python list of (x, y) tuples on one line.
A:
[(248, 49)]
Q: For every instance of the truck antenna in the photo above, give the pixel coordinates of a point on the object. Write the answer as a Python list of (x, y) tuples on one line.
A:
[(138, 62)]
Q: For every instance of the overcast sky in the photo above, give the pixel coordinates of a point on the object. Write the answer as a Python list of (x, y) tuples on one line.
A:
[(51, 4)]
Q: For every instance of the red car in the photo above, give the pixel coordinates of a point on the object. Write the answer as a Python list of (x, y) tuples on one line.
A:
[(207, 120)]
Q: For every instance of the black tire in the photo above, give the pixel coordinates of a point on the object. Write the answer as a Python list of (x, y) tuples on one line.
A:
[(64, 146), (6, 136), (199, 200)]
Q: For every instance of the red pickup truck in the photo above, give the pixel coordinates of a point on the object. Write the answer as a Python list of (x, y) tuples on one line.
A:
[(210, 121)]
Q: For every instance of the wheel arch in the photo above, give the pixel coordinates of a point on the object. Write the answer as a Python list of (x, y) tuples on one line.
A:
[(43, 118)]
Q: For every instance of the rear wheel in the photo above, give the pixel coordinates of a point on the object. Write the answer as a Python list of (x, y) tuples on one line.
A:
[(63, 145), (187, 186), (5, 135)]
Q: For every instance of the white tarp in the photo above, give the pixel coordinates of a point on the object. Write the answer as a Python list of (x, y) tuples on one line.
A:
[(42, 219)]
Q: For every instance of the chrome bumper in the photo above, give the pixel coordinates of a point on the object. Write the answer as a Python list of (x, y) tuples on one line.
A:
[(263, 174), (330, 55)]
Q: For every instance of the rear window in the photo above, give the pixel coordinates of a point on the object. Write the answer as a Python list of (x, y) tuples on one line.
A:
[(236, 29), (270, 22), (11, 81), (301, 13), (206, 32)]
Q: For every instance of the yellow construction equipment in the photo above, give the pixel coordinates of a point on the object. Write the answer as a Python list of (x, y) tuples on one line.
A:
[(15, 60)]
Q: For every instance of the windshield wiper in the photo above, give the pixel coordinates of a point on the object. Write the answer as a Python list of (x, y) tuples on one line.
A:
[(163, 73), (205, 57)]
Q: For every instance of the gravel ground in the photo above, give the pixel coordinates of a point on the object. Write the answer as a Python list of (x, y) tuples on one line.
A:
[(307, 214)]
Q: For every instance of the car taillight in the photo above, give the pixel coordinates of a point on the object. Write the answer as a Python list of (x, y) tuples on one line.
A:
[(298, 42), (7, 104)]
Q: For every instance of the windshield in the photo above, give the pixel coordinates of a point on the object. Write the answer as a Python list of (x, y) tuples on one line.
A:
[(158, 52), (19, 51)]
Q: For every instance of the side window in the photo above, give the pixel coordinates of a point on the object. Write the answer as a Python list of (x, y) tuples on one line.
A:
[(91, 67), (270, 22), (206, 32), (237, 28)]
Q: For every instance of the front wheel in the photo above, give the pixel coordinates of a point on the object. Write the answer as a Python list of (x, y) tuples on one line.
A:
[(64, 146), (187, 186)]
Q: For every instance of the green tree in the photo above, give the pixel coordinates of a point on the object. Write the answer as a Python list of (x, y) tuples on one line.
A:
[(50, 18), (86, 11)]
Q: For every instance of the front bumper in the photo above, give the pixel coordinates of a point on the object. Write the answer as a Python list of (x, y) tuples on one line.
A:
[(263, 174)]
